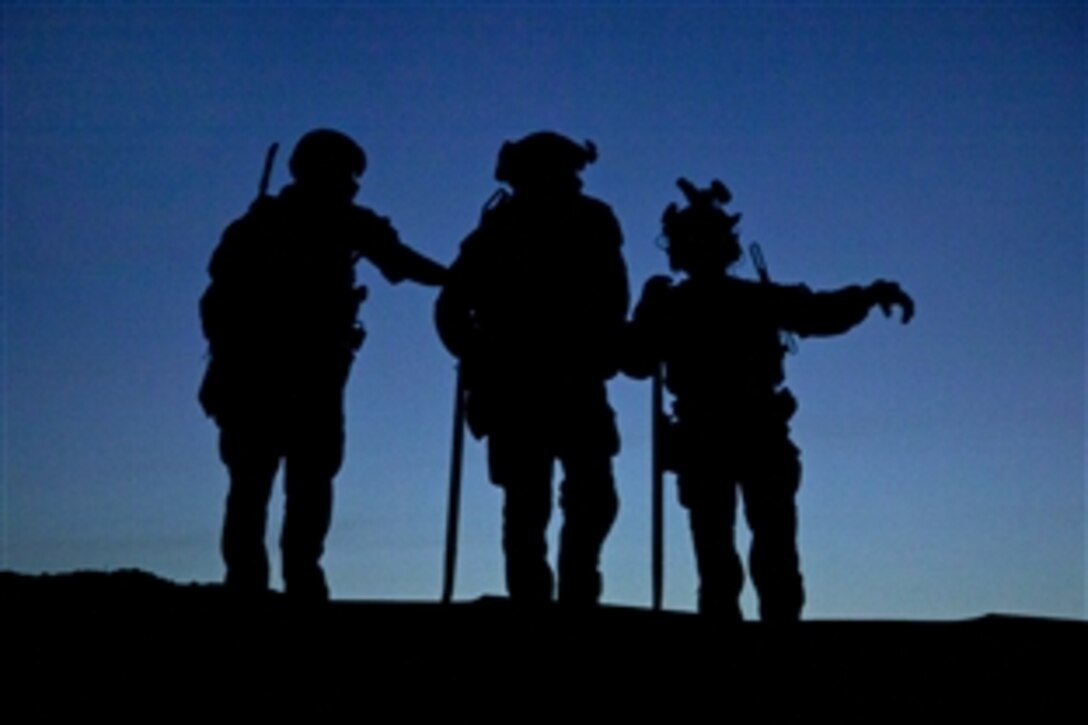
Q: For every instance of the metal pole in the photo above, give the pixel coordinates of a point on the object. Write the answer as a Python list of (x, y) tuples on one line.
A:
[(657, 492), (453, 510)]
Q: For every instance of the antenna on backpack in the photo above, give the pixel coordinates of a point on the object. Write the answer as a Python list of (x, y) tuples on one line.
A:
[(266, 173), (789, 342)]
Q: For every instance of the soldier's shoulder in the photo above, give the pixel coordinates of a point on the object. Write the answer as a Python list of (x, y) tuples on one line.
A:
[(593, 205), (502, 208), (713, 290), (742, 285), (369, 221), (598, 217), (249, 233), (659, 291), (264, 211), (503, 215), (247, 225), (758, 295)]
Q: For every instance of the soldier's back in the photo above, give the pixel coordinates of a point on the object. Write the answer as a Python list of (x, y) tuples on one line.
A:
[(721, 346), (548, 278)]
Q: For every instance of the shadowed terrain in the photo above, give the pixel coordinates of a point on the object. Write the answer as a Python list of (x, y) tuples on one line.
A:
[(130, 631)]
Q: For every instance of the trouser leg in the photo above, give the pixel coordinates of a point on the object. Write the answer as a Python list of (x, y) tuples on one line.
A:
[(306, 523), (589, 502), (772, 515), (527, 508), (707, 485), (252, 468), (520, 463), (711, 513), (313, 459)]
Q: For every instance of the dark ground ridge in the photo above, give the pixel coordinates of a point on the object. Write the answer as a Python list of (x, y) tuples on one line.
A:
[(132, 626)]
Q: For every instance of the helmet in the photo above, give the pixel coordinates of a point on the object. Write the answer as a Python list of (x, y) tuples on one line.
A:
[(702, 232), (542, 155), (324, 154)]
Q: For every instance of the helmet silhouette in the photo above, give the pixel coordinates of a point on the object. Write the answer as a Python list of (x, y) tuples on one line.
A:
[(542, 155), (324, 154), (702, 232)]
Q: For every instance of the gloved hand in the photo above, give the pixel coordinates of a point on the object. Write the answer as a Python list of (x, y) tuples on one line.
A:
[(887, 295)]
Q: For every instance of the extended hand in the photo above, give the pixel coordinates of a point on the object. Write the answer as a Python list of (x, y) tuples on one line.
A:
[(888, 295)]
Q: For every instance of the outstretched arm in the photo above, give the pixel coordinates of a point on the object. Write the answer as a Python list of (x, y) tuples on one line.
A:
[(420, 269), (834, 312), (381, 244)]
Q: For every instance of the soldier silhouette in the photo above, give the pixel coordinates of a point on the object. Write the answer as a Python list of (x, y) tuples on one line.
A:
[(534, 308), (280, 317), (717, 337)]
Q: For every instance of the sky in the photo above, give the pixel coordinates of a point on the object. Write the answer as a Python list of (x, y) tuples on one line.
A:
[(939, 145)]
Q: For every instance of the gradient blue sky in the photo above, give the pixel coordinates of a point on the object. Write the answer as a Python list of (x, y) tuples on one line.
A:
[(940, 146)]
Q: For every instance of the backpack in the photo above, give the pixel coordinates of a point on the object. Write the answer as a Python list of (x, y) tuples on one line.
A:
[(282, 304)]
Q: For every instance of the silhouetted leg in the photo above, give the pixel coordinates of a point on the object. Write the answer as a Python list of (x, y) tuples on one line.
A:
[(312, 461), (589, 502), (519, 464), (707, 486), (305, 525), (526, 512), (772, 515), (711, 504), (252, 464)]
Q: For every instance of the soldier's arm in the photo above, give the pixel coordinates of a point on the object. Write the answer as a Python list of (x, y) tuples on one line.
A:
[(381, 244), (419, 268), (618, 295), (616, 281), (227, 274), (642, 340), (834, 312), (888, 295)]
